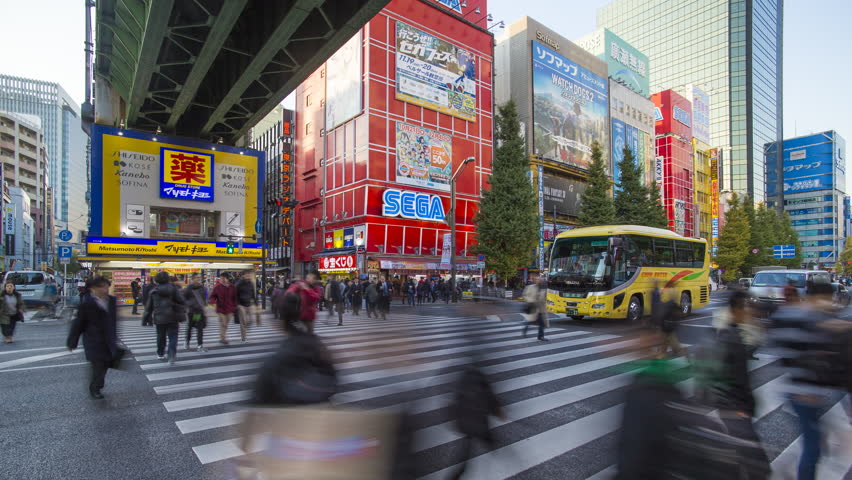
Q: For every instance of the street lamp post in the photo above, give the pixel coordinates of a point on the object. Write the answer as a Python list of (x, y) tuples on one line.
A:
[(453, 225)]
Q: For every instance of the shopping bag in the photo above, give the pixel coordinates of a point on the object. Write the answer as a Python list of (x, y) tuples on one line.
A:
[(319, 443)]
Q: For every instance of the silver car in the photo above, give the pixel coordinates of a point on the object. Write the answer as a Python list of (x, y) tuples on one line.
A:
[(768, 286)]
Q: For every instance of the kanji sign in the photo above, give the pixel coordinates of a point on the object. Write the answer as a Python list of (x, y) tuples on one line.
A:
[(186, 175), (338, 263)]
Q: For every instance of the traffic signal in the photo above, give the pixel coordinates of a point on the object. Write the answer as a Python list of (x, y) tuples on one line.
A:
[(230, 248)]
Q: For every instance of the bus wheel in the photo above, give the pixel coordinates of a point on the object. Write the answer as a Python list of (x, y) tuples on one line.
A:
[(685, 303), (577, 317), (634, 309)]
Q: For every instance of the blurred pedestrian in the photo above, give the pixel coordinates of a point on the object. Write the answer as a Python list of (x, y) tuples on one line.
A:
[(224, 296), (731, 388), (166, 309), (410, 291), (373, 298), (246, 301), (385, 293), (356, 296), (135, 293), (96, 321), (791, 293), (474, 401), (347, 294), (309, 298), (146, 294), (11, 312), (665, 317), (815, 348), (334, 298), (196, 300), (535, 307)]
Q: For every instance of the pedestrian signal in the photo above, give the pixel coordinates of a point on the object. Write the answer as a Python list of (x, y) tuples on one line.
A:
[(230, 248)]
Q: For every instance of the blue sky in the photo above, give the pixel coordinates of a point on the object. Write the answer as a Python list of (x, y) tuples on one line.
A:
[(45, 41)]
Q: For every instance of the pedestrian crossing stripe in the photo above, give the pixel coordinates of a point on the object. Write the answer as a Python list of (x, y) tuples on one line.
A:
[(410, 360)]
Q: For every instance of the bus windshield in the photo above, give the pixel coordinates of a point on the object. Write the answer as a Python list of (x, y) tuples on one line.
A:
[(580, 263), (25, 278)]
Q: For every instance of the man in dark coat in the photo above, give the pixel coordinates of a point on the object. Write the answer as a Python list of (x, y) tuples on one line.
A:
[(246, 299), (165, 308), (96, 321), (135, 291), (146, 293)]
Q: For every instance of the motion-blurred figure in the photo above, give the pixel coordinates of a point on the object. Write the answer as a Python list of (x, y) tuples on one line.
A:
[(535, 307), (196, 300), (815, 347), (665, 315), (96, 322)]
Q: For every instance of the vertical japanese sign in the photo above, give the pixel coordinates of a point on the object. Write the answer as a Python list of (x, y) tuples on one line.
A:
[(287, 182), (679, 216), (571, 109), (446, 251), (541, 216), (186, 175), (435, 74)]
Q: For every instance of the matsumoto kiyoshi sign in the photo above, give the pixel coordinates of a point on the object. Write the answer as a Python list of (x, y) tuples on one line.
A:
[(186, 175), (413, 205)]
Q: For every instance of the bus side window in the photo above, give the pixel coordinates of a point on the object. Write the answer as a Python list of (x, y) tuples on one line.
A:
[(683, 254), (645, 250), (664, 252), (699, 250)]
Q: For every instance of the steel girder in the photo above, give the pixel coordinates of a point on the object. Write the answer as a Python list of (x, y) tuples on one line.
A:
[(213, 68)]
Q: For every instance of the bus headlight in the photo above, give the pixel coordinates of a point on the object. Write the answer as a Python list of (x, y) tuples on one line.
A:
[(599, 305)]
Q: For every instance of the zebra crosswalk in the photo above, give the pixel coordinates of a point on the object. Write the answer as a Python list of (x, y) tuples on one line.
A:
[(562, 397)]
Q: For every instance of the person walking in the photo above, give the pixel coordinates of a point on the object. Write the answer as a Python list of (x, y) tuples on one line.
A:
[(385, 293), (224, 296), (665, 315), (373, 299), (246, 300), (347, 295), (535, 307), (11, 312), (196, 300), (146, 294), (135, 293), (334, 299), (410, 291), (730, 388), (356, 296), (474, 401), (96, 321), (166, 309)]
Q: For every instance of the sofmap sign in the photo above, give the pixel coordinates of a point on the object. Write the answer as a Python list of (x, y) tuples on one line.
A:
[(413, 205), (145, 246), (571, 109)]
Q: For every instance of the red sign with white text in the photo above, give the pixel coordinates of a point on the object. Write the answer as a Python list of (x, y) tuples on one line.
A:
[(337, 263)]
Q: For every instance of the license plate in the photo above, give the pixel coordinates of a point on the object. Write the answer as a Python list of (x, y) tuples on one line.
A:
[(27, 294), (571, 311)]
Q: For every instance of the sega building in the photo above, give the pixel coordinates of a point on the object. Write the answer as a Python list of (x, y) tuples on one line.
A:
[(381, 128), (814, 180), (673, 167)]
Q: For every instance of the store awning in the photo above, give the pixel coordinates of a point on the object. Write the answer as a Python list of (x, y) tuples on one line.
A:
[(120, 263), (334, 253), (400, 262)]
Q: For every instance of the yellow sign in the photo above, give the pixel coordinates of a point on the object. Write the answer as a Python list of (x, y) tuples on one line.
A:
[(122, 246), (338, 239), (186, 174)]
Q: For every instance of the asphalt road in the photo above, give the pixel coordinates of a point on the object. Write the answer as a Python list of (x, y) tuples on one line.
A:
[(562, 397)]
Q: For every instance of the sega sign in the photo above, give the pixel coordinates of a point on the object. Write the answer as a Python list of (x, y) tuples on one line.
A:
[(413, 205)]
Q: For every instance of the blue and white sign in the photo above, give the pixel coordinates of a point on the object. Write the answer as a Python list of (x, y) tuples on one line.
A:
[(783, 251), (414, 205), (64, 251), (65, 235), (681, 116)]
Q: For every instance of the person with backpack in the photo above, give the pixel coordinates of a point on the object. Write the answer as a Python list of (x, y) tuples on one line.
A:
[(730, 388), (814, 345), (164, 308), (196, 300), (97, 322), (224, 296), (246, 300)]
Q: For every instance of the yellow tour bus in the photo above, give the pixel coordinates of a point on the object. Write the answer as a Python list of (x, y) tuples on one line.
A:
[(610, 271)]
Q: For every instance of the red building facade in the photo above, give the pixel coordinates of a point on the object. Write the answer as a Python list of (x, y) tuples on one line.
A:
[(674, 168), (372, 176)]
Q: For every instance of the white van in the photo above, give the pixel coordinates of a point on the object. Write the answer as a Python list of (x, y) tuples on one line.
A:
[(31, 285)]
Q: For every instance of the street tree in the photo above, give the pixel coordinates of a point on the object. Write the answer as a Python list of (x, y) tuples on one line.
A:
[(734, 239), (655, 211), (789, 236), (631, 195), (844, 265), (765, 231), (507, 225), (596, 207)]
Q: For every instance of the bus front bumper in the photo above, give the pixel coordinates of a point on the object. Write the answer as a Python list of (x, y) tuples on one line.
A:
[(600, 307)]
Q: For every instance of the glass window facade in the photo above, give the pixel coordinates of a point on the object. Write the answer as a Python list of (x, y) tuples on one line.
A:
[(728, 48)]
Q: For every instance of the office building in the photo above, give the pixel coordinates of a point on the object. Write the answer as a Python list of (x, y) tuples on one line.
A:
[(23, 153), (732, 50), (814, 179), (562, 96), (18, 227), (381, 128), (66, 145)]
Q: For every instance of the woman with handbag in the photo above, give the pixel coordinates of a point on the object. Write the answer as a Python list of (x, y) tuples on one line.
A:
[(196, 299), (11, 312), (96, 321)]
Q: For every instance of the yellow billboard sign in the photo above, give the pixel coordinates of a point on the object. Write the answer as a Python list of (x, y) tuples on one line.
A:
[(180, 248)]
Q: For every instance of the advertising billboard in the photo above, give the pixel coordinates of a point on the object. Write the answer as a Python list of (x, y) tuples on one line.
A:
[(562, 194), (131, 172), (96, 245), (343, 83), (625, 64), (570, 109), (676, 114), (423, 157), (700, 115), (809, 164), (624, 135), (679, 207), (434, 74)]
